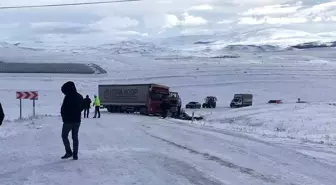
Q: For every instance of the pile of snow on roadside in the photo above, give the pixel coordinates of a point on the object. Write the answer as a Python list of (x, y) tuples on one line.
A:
[(308, 122)]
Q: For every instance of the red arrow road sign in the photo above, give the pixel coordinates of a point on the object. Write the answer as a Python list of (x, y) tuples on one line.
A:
[(33, 95), (26, 95), (19, 95)]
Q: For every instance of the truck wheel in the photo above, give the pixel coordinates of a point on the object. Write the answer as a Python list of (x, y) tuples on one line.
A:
[(203, 105), (143, 110), (109, 109), (118, 109)]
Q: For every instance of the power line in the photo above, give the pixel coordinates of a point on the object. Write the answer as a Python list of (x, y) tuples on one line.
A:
[(66, 4)]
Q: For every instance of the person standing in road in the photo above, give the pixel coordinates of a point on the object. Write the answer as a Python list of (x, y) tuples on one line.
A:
[(2, 115), (96, 104), (87, 105), (179, 105), (71, 112), (165, 106)]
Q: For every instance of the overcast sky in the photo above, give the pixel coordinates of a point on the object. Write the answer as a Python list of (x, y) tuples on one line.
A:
[(159, 18)]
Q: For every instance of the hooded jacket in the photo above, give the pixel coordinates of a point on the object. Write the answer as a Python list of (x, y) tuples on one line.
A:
[(87, 102), (72, 106)]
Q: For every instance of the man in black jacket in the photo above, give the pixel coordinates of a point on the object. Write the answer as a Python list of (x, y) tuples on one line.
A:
[(87, 104), (165, 106), (71, 112), (2, 115)]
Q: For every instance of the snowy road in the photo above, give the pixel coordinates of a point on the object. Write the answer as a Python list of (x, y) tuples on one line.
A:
[(132, 149)]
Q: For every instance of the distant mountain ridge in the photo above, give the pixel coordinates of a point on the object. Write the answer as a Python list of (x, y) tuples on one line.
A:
[(269, 47), (309, 45), (152, 48)]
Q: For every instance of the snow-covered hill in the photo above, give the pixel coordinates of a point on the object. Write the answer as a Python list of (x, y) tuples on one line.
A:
[(225, 42)]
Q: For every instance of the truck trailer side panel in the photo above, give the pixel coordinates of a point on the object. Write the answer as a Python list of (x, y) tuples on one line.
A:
[(247, 100), (124, 94)]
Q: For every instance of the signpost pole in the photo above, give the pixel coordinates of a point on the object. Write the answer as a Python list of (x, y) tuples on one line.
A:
[(32, 95), (33, 108), (20, 108)]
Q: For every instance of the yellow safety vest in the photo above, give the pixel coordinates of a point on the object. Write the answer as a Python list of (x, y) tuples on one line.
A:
[(97, 101)]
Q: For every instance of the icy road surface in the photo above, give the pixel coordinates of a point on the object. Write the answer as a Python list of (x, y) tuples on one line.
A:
[(133, 149)]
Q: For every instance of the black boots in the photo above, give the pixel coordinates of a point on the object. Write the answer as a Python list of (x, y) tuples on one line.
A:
[(68, 155)]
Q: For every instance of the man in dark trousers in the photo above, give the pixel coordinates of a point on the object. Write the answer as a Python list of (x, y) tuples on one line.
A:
[(2, 115), (96, 104), (165, 106), (71, 112), (87, 105), (179, 105)]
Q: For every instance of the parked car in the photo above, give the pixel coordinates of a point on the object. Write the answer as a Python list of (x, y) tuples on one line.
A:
[(275, 101), (193, 105)]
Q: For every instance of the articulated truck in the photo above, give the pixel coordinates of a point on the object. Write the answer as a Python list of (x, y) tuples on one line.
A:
[(143, 98)]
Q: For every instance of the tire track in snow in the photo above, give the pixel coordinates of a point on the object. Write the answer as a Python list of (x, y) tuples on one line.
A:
[(300, 177), (220, 161), (181, 168)]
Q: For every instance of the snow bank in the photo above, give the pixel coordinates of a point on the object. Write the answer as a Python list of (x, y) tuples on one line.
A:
[(15, 127), (307, 122)]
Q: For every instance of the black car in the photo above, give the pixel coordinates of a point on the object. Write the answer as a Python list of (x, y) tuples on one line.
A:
[(193, 105)]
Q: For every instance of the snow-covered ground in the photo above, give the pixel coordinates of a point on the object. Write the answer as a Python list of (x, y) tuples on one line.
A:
[(264, 144), (311, 122), (119, 149)]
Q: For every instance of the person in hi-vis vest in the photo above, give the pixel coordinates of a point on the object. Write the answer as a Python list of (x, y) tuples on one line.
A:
[(96, 104)]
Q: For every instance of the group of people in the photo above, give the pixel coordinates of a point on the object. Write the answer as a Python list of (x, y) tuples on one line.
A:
[(74, 104), (71, 112), (87, 105)]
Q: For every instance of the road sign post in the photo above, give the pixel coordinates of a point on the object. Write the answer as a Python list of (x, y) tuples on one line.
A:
[(20, 109), (34, 108), (32, 95)]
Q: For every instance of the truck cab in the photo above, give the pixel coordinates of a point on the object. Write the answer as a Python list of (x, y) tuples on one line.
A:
[(236, 102), (173, 100), (157, 95)]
